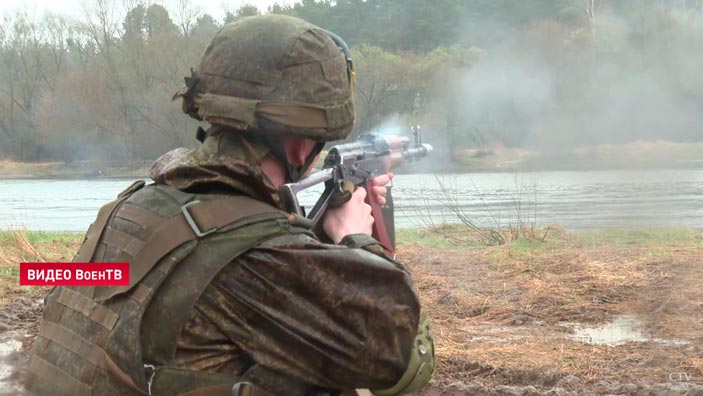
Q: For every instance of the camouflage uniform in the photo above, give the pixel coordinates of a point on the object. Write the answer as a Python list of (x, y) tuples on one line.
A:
[(255, 297), (335, 316)]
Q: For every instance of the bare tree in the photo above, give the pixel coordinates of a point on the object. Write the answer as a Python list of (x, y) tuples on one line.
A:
[(101, 23), (23, 76), (186, 14), (102, 27), (52, 48)]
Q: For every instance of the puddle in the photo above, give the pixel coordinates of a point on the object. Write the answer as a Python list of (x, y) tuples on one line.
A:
[(623, 329), (6, 349)]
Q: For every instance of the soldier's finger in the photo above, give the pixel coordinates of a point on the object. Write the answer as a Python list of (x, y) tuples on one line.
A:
[(379, 190), (379, 194), (360, 194), (382, 180)]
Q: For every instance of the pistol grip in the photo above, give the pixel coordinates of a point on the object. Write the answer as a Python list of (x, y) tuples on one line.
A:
[(380, 232)]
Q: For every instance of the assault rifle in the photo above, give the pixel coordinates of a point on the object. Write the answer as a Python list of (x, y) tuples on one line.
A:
[(359, 162)]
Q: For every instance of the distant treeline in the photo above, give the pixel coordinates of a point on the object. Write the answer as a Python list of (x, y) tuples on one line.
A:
[(545, 74)]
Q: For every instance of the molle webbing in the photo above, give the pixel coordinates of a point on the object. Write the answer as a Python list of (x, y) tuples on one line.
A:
[(70, 353), (92, 237), (87, 307), (89, 342)]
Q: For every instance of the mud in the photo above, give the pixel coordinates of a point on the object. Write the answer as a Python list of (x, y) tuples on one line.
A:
[(494, 381), (621, 330), (19, 320), (7, 348), (572, 387), (10, 359)]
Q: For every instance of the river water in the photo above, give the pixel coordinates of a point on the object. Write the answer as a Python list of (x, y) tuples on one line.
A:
[(576, 200)]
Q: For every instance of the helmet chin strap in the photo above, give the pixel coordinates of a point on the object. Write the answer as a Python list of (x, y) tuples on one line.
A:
[(295, 173)]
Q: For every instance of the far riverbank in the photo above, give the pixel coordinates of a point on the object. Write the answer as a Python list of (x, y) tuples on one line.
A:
[(72, 170), (492, 157)]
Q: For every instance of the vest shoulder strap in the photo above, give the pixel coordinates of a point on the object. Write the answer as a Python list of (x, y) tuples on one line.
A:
[(95, 231), (181, 290), (196, 219)]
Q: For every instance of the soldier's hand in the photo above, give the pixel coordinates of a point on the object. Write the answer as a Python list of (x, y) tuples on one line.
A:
[(353, 217), (378, 191)]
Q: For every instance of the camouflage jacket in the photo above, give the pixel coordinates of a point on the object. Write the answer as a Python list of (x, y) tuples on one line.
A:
[(336, 316)]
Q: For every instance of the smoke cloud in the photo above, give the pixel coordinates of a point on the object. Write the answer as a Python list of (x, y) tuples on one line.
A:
[(631, 75)]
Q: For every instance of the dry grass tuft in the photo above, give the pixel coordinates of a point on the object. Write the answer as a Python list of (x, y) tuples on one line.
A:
[(17, 246)]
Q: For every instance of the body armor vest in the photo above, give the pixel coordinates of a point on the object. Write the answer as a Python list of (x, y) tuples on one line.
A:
[(97, 341)]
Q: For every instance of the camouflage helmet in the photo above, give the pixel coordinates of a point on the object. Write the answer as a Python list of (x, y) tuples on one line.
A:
[(274, 73)]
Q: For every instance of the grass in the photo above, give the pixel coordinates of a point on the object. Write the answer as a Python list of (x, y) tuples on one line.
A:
[(21, 245), (453, 234), (533, 257), (428, 237), (664, 236), (18, 246), (447, 235), (42, 237)]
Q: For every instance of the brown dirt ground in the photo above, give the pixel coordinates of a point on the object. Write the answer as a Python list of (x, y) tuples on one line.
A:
[(502, 316)]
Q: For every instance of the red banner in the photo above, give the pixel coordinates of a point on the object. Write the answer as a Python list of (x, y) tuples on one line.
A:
[(74, 274)]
